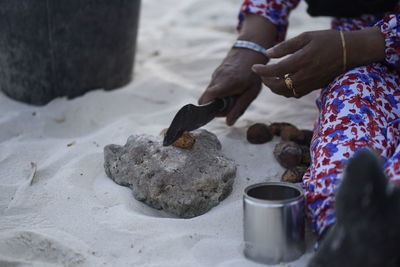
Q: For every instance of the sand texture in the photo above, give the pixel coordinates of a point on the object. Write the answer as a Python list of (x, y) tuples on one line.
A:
[(63, 210)]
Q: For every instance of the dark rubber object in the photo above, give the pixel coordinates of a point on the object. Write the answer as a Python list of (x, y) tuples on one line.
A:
[(55, 48)]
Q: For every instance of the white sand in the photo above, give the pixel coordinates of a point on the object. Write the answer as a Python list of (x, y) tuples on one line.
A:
[(70, 214)]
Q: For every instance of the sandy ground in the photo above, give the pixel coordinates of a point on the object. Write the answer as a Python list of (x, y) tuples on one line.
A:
[(57, 206)]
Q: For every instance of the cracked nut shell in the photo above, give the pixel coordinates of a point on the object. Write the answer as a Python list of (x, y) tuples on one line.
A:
[(294, 175), (288, 154), (186, 141)]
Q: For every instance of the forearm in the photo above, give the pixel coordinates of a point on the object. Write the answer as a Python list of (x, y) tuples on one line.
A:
[(364, 47), (259, 30), (255, 29), (275, 11)]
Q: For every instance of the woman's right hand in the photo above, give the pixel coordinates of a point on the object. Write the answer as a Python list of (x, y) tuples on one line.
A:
[(234, 77)]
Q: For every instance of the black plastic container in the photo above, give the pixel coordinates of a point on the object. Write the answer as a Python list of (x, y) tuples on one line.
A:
[(52, 48)]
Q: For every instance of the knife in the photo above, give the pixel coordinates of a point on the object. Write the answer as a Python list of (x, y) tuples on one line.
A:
[(191, 117)]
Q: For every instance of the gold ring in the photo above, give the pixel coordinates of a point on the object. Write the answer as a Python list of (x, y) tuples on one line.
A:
[(289, 84)]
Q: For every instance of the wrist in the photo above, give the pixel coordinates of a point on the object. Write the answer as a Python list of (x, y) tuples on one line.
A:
[(251, 46), (365, 47), (259, 30), (245, 56)]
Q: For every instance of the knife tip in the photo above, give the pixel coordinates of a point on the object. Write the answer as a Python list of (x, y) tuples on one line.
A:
[(166, 143)]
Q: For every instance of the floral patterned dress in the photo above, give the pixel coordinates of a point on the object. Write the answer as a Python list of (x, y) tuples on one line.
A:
[(358, 109)]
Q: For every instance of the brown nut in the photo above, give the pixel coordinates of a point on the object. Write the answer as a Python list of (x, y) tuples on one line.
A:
[(259, 133), (306, 156), (291, 133), (288, 154), (294, 175), (276, 127), (186, 141), (308, 135), (303, 137)]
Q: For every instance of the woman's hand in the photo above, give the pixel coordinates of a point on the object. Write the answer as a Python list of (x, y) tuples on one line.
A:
[(234, 76), (316, 58)]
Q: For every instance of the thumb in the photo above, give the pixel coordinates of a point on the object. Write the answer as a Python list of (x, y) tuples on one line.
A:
[(211, 93), (242, 103), (219, 90)]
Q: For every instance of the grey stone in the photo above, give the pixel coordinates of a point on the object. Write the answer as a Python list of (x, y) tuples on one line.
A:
[(186, 183), (65, 47)]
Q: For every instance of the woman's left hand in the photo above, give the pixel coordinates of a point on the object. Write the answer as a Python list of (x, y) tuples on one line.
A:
[(316, 58)]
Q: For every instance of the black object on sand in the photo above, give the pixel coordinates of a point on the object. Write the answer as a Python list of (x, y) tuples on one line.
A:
[(367, 231), (58, 48), (191, 117)]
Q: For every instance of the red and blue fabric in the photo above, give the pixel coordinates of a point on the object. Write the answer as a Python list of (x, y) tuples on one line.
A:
[(358, 109)]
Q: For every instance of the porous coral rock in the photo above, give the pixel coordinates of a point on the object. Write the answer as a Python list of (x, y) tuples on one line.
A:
[(186, 183)]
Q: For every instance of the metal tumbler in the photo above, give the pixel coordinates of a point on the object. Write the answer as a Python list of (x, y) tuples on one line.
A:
[(273, 222)]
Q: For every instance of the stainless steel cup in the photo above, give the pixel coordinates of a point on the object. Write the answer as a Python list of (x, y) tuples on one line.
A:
[(273, 222)]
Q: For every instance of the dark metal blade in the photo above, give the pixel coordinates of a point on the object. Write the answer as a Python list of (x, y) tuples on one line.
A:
[(192, 117)]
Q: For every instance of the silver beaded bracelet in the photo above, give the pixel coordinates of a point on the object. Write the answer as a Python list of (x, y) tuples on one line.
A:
[(251, 46)]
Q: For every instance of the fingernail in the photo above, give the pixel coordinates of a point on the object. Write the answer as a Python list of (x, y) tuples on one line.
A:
[(255, 67), (229, 122)]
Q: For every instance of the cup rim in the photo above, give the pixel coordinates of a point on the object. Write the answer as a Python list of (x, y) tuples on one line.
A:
[(292, 200)]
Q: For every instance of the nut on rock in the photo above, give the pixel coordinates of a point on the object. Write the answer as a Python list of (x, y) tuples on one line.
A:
[(288, 154), (186, 141), (259, 133)]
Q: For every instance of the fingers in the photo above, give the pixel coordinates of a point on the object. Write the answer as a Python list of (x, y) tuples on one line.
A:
[(290, 64), (213, 92), (288, 47), (278, 86), (242, 103)]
